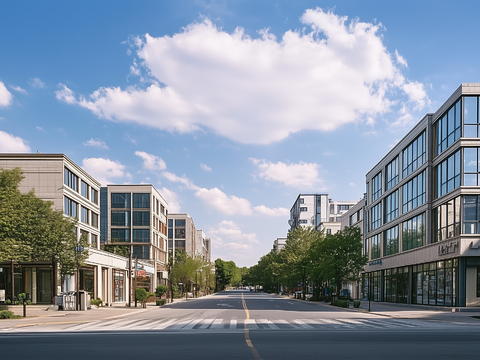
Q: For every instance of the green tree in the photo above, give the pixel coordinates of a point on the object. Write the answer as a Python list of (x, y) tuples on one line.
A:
[(184, 269)]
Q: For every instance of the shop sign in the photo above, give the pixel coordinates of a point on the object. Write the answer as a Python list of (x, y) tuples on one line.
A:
[(141, 273), (449, 248), (375, 262)]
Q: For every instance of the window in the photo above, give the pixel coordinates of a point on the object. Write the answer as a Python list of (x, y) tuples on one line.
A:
[(70, 179), (302, 221), (170, 233), (83, 215), (95, 220), (391, 174), (141, 218), (302, 201), (470, 116), (94, 196), (478, 282), (447, 129), (414, 193), (120, 218), (141, 235), (70, 207), (471, 214), (447, 175), (303, 209), (329, 231), (120, 201), (376, 186), (390, 244), (119, 289), (413, 233), (376, 216), (141, 251), (120, 235), (375, 240), (414, 155), (365, 248), (94, 240), (84, 189), (170, 222), (391, 206), (353, 218), (180, 244), (342, 207), (141, 201), (367, 200), (446, 220), (471, 169), (179, 222), (179, 233)]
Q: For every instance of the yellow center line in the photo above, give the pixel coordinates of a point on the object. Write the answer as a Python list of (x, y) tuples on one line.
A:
[(254, 351)]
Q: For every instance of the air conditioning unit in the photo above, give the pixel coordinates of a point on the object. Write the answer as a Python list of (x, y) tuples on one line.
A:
[(164, 274)]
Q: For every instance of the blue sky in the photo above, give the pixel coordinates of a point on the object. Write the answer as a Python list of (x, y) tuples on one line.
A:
[(229, 108)]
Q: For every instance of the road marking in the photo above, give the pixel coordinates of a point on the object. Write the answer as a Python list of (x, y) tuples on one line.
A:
[(206, 323), (217, 324), (233, 324), (192, 324), (268, 323), (163, 325), (181, 324), (303, 324), (251, 324), (254, 351)]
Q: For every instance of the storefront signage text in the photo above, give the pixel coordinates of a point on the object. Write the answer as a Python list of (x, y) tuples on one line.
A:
[(376, 262), (449, 248)]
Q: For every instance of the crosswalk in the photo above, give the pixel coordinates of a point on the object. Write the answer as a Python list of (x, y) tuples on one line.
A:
[(207, 324)]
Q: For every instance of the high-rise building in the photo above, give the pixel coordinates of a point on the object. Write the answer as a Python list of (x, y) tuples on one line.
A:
[(181, 234), (135, 217), (422, 219)]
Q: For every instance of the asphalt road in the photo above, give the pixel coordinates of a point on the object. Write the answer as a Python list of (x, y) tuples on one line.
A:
[(245, 325)]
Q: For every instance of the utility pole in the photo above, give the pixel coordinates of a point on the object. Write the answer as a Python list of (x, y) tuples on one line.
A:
[(12, 279), (135, 290), (129, 276)]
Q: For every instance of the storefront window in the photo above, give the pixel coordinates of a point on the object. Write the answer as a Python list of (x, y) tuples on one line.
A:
[(446, 220), (434, 283), (119, 285)]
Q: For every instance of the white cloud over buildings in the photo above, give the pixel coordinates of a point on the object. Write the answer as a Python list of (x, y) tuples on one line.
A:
[(12, 144)]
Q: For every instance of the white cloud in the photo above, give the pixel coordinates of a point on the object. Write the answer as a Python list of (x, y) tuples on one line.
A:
[(229, 234), (331, 73), (219, 201), (11, 143), (262, 209), (151, 162), (103, 170), (96, 143), (5, 96), (205, 167), (18, 89), (301, 175), (172, 200), (37, 83), (183, 180), (400, 59), (65, 95)]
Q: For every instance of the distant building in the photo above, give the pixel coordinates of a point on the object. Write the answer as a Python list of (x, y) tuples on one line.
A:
[(279, 244), (318, 211), (202, 246), (182, 234)]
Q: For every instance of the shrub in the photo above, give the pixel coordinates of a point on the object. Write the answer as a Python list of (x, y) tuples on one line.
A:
[(8, 302), (5, 314), (356, 304), (97, 302), (161, 302), (318, 298), (161, 290), (341, 303)]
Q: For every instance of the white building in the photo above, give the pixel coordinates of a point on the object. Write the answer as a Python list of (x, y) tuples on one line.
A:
[(279, 244)]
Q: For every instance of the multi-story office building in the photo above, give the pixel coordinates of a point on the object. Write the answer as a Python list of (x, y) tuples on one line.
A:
[(182, 234), (278, 244), (135, 216), (422, 219), (202, 246), (56, 178), (318, 211)]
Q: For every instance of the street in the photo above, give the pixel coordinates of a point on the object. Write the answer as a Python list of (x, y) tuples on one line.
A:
[(246, 325)]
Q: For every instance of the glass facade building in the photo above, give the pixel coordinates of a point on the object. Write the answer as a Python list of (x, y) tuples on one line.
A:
[(422, 223)]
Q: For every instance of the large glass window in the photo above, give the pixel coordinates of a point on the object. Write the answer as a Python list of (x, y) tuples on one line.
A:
[(376, 242), (119, 285), (179, 233), (471, 214), (84, 189), (94, 196), (376, 186), (120, 235), (95, 220), (179, 222), (141, 201), (447, 128), (120, 218), (120, 201), (414, 155), (413, 232), (141, 251), (141, 235), (446, 220), (180, 244), (435, 283), (70, 179), (391, 206), (83, 215), (447, 175), (391, 174), (70, 207), (470, 116), (471, 168), (414, 193), (376, 216), (141, 218), (390, 241)]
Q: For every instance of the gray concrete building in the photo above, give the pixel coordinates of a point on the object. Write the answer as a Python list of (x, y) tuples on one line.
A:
[(422, 217)]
